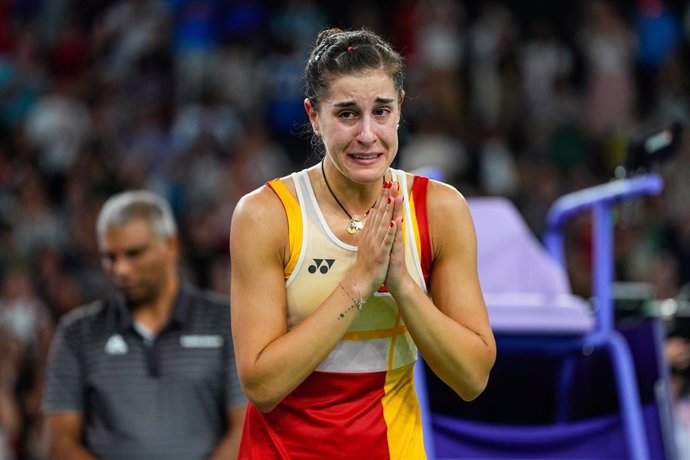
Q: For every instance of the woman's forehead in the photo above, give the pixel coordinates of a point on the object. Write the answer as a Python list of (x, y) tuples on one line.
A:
[(370, 86)]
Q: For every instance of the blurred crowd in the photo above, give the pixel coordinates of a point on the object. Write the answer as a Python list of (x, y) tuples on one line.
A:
[(202, 101)]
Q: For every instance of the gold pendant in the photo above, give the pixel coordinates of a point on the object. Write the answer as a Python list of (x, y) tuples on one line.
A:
[(354, 226)]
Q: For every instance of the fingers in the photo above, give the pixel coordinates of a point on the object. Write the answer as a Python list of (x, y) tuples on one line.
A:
[(398, 201), (374, 216), (397, 243), (380, 217), (396, 262), (382, 231), (377, 237), (397, 222), (393, 215)]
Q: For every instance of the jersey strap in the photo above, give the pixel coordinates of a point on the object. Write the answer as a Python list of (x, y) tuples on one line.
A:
[(419, 192), (294, 217)]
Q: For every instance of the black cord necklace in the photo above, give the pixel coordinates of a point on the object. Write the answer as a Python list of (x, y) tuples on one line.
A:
[(356, 223)]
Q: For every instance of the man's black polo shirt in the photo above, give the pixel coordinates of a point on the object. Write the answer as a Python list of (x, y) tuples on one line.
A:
[(142, 399)]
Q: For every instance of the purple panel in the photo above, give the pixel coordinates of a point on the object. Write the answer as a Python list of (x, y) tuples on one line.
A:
[(525, 289)]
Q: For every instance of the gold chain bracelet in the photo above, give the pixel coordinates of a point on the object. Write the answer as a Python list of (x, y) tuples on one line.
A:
[(358, 304)]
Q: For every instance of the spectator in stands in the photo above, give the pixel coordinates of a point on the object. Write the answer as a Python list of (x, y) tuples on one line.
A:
[(677, 352)]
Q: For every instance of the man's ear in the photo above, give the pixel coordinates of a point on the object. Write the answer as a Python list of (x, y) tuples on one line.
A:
[(173, 244)]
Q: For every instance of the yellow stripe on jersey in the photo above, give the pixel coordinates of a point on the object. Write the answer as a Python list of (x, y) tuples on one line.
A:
[(375, 334), (400, 404), (391, 349), (294, 217)]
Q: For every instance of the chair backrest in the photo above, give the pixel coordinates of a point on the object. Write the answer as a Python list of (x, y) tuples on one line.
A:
[(510, 258), (524, 287)]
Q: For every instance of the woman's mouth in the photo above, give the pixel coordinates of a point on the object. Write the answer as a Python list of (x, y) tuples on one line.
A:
[(364, 156)]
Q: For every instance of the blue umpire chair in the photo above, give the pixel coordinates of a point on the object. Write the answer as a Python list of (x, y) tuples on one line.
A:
[(547, 337), (568, 382)]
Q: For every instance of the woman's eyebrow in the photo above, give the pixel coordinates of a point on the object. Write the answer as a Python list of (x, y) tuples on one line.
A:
[(345, 104), (379, 100)]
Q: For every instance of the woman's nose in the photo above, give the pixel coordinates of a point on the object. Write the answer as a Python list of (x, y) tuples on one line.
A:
[(366, 133)]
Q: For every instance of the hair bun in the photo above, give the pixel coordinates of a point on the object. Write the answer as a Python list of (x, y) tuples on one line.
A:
[(325, 34)]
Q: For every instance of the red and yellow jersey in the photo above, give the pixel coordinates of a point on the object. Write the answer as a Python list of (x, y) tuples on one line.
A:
[(360, 403)]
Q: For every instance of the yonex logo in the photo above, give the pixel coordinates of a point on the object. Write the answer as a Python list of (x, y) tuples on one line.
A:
[(322, 265)]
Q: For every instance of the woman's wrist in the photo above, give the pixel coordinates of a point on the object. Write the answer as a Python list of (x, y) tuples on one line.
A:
[(364, 280), (402, 289), (353, 293)]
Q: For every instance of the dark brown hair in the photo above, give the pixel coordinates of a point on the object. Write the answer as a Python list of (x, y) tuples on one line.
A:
[(339, 53)]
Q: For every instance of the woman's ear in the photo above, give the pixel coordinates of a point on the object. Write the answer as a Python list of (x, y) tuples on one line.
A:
[(312, 114)]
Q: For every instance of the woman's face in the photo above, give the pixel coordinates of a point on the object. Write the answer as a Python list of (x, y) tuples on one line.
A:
[(358, 122)]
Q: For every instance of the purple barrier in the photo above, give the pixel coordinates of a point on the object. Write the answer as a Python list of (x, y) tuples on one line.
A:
[(599, 438)]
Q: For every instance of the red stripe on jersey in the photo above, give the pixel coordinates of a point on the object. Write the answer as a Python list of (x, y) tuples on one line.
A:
[(330, 415)]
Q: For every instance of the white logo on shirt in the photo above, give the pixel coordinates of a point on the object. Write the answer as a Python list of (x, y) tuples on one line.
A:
[(201, 341), (116, 345)]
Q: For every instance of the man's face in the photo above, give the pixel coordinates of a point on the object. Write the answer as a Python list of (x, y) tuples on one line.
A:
[(138, 261)]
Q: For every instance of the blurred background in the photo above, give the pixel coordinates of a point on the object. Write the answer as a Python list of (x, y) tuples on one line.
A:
[(202, 101)]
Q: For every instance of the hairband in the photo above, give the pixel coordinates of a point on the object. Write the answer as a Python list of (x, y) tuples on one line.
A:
[(325, 46)]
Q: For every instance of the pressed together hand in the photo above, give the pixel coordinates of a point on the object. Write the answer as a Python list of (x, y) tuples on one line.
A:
[(380, 255)]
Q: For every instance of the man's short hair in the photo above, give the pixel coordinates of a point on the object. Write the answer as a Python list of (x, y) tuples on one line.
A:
[(137, 204)]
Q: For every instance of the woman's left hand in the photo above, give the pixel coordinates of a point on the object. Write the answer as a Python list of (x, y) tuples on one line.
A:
[(397, 271)]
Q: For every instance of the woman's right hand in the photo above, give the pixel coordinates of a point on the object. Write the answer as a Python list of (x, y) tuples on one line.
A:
[(376, 240)]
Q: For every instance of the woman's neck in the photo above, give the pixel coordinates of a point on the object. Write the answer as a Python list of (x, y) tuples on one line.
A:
[(356, 198)]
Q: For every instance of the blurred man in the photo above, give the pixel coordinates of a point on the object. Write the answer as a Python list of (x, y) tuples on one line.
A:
[(148, 371)]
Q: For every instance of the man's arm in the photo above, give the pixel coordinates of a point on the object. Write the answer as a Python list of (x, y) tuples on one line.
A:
[(229, 444), (64, 437), (63, 395)]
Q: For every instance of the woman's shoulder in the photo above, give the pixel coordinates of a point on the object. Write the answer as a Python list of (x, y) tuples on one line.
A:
[(270, 199), (264, 201), (447, 209), (439, 194)]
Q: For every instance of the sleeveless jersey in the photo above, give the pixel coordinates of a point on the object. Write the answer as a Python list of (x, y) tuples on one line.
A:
[(360, 403)]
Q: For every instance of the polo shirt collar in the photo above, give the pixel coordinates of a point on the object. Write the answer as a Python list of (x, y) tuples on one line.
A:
[(182, 307)]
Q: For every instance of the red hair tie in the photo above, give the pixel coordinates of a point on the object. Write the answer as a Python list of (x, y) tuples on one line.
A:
[(350, 48)]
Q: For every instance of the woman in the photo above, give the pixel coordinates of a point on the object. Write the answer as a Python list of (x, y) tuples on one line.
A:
[(333, 272)]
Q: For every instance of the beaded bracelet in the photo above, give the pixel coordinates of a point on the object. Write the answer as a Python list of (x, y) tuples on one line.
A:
[(355, 303)]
